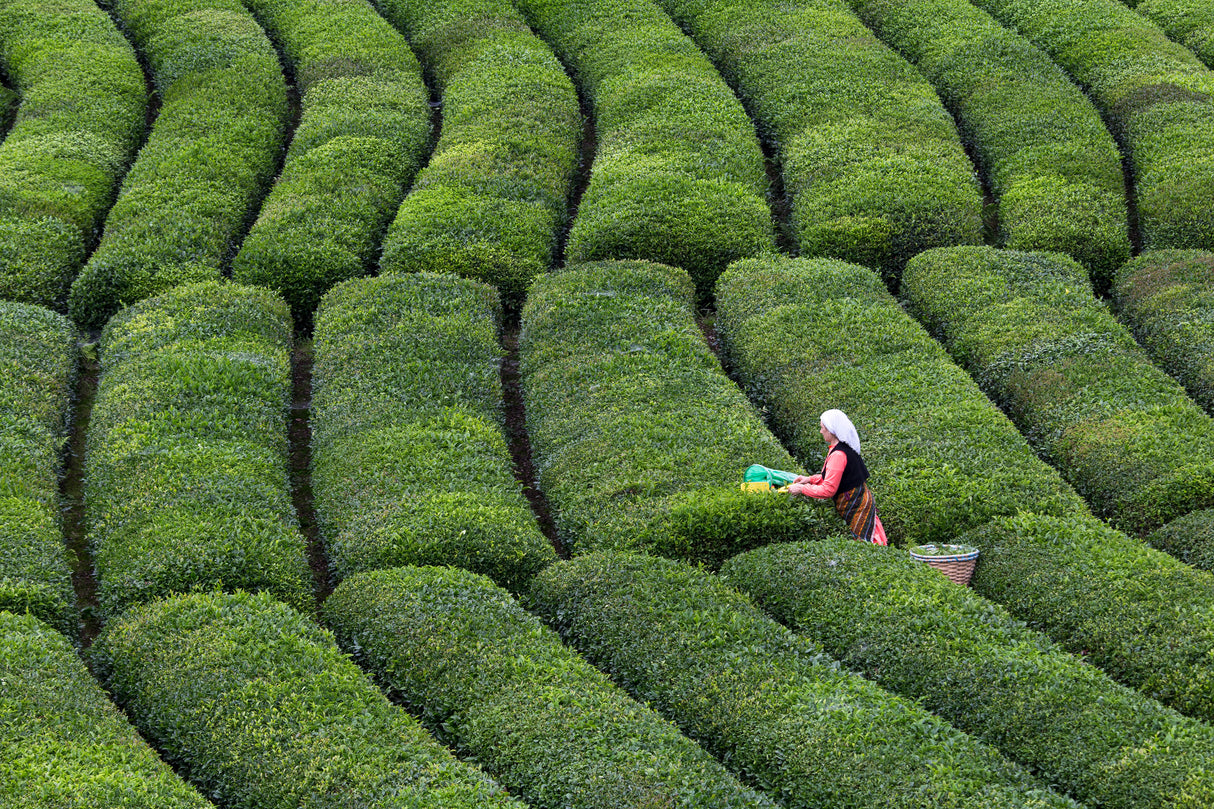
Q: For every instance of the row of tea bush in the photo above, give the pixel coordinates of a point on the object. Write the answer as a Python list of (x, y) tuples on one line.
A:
[(80, 120), (1189, 22)]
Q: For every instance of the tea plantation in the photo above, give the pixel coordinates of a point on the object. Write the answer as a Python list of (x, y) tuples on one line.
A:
[(377, 378)]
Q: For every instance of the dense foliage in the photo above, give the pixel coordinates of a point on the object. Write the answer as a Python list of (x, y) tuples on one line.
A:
[(63, 743), (259, 708), (491, 201), (207, 161), (363, 133), (1189, 538), (37, 375), (770, 704), (1028, 327), (409, 463), (911, 630), (1189, 22), (871, 160), (80, 120), (806, 335), (639, 438), (186, 474), (501, 687)]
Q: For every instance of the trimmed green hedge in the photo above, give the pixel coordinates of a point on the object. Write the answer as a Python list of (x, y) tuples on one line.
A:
[(639, 438), (805, 335), (491, 201), (1155, 95), (63, 743), (1144, 617), (1189, 22), (1028, 327), (911, 630), (364, 132), (186, 474), (1166, 297), (770, 704), (1189, 538), (1047, 157), (502, 688), (258, 706), (871, 160), (81, 117), (409, 463), (37, 376), (678, 176), (207, 161)]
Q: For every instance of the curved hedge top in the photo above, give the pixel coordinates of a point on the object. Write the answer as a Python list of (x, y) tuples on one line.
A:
[(259, 707), (37, 374), (502, 687), (1027, 325), (871, 159), (63, 743), (1047, 156), (806, 335), (639, 438), (965, 659), (81, 117), (1189, 22)]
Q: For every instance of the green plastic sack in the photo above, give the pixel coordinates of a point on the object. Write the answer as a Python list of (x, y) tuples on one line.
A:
[(759, 478)]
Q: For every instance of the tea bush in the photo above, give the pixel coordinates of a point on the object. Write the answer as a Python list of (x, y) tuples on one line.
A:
[(1141, 615), (186, 474), (364, 131), (1046, 155), (208, 159), (678, 176), (259, 707), (871, 160), (62, 741), (805, 335), (1166, 297), (80, 120), (501, 687), (1028, 327), (1189, 22), (409, 463), (1189, 538), (1155, 95), (770, 704), (911, 630), (639, 438), (491, 201), (37, 377)]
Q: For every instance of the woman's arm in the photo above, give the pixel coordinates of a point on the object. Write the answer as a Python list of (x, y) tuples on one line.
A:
[(820, 486)]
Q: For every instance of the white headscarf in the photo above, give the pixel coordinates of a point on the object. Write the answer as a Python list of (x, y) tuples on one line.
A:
[(840, 425)]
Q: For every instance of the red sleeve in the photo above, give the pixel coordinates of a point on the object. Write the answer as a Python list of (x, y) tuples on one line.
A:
[(836, 462)]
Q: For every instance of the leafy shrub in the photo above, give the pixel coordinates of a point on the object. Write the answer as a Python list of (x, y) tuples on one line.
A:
[(1189, 538), (1189, 22), (364, 132), (187, 471), (80, 120), (1108, 597), (258, 706), (806, 335), (640, 439), (409, 464), (1120, 430), (770, 704), (493, 197), (1045, 152), (871, 160), (207, 161), (63, 742), (966, 660), (1166, 297), (1155, 95), (38, 373), (502, 688), (678, 176)]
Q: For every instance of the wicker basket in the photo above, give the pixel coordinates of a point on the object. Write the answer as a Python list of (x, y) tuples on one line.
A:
[(955, 561)]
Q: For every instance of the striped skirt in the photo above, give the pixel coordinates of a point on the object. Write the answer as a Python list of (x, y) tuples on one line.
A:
[(859, 510)]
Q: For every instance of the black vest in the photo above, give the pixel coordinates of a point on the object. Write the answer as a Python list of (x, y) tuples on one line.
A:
[(854, 473)]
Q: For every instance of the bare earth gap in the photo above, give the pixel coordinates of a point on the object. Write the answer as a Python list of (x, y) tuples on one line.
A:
[(299, 442)]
